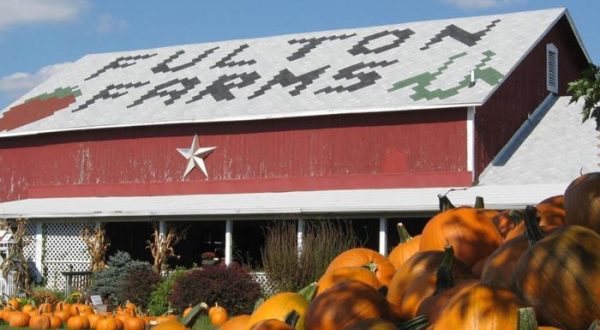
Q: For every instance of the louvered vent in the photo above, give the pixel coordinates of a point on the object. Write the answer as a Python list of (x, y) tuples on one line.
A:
[(552, 68)]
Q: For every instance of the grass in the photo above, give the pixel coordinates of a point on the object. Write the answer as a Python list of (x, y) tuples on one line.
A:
[(201, 324)]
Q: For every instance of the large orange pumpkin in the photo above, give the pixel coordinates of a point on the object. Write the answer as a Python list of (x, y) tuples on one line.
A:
[(372, 324), (559, 277), (170, 325), (363, 257), (278, 307), (78, 322), (415, 280), (469, 230), (39, 321), (344, 304), (18, 319), (405, 249), (134, 322), (236, 323), (582, 201), (479, 307), (107, 323), (272, 324), (338, 275)]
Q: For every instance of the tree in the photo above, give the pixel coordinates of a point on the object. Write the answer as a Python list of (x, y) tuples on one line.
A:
[(588, 88)]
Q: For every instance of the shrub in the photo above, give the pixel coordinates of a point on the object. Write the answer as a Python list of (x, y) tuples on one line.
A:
[(323, 240), (137, 285), (108, 282), (229, 286), (42, 295), (159, 298)]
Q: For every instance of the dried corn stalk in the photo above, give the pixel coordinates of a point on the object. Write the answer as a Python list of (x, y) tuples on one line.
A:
[(15, 260), (95, 241), (161, 246)]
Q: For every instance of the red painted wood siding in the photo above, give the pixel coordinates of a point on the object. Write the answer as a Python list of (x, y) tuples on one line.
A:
[(500, 117), (401, 149)]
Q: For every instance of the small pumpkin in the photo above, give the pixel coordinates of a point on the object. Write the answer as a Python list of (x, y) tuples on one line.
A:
[(278, 307), (363, 257), (405, 249), (217, 315), (107, 323), (338, 275), (344, 304), (78, 322), (170, 325), (582, 201), (236, 323)]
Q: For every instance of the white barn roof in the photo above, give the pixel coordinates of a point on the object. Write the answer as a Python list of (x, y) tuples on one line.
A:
[(416, 65)]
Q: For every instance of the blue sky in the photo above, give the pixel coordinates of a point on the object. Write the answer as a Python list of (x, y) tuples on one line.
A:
[(37, 37)]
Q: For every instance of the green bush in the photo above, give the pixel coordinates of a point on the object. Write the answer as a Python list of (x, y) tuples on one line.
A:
[(230, 286), (159, 298), (137, 285), (108, 282)]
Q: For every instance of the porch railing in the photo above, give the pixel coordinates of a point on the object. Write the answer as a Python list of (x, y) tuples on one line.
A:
[(76, 281)]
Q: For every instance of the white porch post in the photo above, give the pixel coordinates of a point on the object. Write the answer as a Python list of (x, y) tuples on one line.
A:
[(383, 236), (228, 241), (300, 236), (39, 249), (162, 228), (471, 141)]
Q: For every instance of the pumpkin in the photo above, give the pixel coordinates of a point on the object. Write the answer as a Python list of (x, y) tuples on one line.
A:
[(18, 319), (134, 322), (170, 325), (335, 276), (469, 230), (432, 306), (55, 322), (582, 201), (500, 265), (217, 315), (187, 311), (506, 220), (363, 257), (372, 324), (272, 324), (406, 247), (93, 319), (27, 308), (161, 318), (278, 307), (107, 323), (344, 304), (416, 280), (45, 308), (479, 307), (558, 277), (63, 314), (14, 303), (236, 323), (78, 322), (39, 321)]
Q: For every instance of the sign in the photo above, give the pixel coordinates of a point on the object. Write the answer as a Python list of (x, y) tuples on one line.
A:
[(96, 300)]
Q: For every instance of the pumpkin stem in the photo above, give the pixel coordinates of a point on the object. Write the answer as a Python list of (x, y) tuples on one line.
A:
[(516, 216), (479, 204), (292, 318), (526, 319), (403, 233), (371, 266), (259, 302), (309, 291), (419, 322), (445, 203), (532, 227), (445, 279), (193, 315)]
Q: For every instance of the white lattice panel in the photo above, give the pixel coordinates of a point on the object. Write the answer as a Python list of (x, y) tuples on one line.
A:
[(29, 250), (63, 247), (267, 288)]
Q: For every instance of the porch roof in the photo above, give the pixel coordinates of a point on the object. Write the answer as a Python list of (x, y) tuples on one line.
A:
[(332, 203)]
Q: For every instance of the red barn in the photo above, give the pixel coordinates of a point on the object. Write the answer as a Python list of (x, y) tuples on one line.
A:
[(369, 124)]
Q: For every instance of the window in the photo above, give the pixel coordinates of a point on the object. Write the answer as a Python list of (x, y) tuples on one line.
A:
[(552, 68)]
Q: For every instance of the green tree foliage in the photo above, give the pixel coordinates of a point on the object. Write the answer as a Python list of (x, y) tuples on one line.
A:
[(159, 299), (588, 88)]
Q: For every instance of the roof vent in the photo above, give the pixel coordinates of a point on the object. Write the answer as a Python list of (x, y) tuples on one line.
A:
[(552, 68), (472, 79)]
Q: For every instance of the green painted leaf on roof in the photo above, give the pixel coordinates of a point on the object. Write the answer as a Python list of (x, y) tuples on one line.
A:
[(489, 75), (58, 93)]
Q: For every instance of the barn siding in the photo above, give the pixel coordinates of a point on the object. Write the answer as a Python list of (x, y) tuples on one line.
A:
[(506, 110), (380, 150)]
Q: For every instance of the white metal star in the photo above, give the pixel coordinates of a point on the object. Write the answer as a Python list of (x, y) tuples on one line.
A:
[(195, 156)]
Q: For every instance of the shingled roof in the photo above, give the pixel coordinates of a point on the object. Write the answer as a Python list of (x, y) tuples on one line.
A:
[(419, 65)]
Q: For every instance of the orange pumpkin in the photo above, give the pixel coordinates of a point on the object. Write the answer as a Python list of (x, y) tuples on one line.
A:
[(272, 324), (500, 265), (405, 249), (469, 230), (187, 311), (278, 307), (363, 257), (582, 201), (18, 319), (45, 308), (14, 303), (55, 322), (217, 315), (558, 277), (344, 304), (63, 314), (338, 275), (93, 319), (432, 306), (170, 325), (107, 323), (236, 323), (39, 321), (416, 280), (78, 322), (479, 307), (134, 323), (372, 324)]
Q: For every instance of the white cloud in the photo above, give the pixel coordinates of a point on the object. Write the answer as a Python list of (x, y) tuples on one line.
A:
[(17, 84), (18, 12), (469, 4), (108, 23)]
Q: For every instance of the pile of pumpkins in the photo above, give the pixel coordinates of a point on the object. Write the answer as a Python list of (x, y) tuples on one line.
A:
[(470, 268)]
